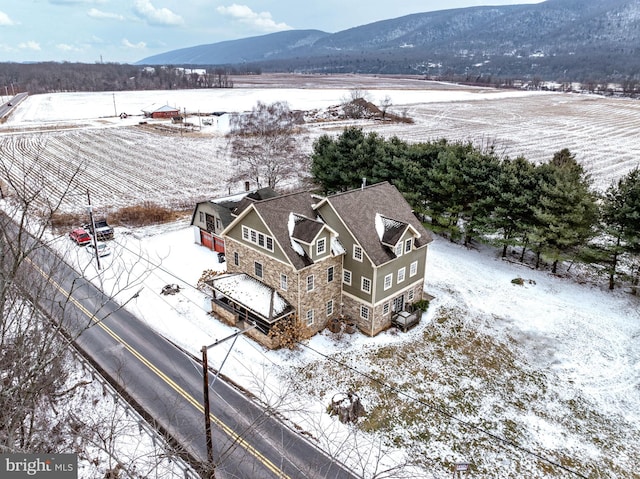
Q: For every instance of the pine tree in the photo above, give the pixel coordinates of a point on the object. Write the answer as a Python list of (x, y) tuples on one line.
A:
[(343, 163), (514, 194), (620, 223), (566, 213)]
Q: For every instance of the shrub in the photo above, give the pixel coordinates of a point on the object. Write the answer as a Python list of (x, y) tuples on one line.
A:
[(144, 214), (422, 305)]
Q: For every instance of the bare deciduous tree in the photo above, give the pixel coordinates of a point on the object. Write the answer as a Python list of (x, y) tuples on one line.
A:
[(265, 143), (38, 382)]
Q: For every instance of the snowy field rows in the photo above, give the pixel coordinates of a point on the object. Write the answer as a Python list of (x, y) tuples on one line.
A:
[(66, 132), (551, 366)]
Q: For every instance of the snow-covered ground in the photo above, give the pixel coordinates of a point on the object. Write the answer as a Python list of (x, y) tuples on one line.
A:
[(550, 366), (578, 340)]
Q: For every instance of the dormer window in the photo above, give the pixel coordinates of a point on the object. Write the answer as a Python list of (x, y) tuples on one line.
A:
[(407, 245), (398, 249), (321, 246)]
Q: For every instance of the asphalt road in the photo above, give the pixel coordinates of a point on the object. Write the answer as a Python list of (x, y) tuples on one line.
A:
[(168, 384), (6, 108)]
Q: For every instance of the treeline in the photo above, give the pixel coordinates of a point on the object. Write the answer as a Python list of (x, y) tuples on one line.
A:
[(472, 193), (50, 77)]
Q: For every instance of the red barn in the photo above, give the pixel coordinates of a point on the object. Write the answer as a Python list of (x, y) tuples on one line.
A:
[(162, 112)]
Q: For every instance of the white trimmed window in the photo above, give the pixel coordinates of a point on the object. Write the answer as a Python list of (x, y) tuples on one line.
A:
[(284, 282), (407, 245), (258, 269), (365, 284), (236, 258), (257, 238), (357, 252), (310, 316), (413, 268), (330, 307), (398, 249), (346, 277), (310, 282), (401, 273), (410, 295), (330, 274), (388, 281), (385, 309), (364, 312), (321, 246)]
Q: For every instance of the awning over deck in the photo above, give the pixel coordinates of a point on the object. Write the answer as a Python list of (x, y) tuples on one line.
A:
[(252, 299)]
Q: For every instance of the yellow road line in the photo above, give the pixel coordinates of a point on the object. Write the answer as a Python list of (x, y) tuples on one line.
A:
[(233, 436)]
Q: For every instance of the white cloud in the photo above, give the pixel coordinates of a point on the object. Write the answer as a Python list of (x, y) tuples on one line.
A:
[(5, 20), (262, 21), (156, 16), (99, 14), (67, 48), (136, 46), (31, 45)]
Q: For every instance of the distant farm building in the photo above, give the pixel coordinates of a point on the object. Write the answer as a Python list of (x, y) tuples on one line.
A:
[(165, 111)]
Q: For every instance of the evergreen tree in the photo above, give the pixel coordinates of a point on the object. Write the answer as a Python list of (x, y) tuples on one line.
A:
[(479, 171), (514, 193), (566, 213), (620, 223), (444, 190), (343, 163)]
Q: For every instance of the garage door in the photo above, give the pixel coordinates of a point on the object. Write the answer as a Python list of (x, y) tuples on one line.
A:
[(218, 244), (206, 239)]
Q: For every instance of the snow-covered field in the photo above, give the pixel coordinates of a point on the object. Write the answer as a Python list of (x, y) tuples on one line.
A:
[(532, 381), (67, 133)]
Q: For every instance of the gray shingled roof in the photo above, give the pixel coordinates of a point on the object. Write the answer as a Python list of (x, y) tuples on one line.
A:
[(358, 209), (275, 212), (306, 229), (393, 230), (258, 195)]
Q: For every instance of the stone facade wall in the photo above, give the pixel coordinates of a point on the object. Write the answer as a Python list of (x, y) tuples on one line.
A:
[(377, 321), (296, 293), (323, 291)]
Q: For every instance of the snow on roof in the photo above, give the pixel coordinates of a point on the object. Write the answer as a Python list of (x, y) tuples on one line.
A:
[(251, 293), (389, 230), (336, 247), (291, 225)]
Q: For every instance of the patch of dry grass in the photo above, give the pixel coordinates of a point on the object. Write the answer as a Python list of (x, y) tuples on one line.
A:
[(461, 393)]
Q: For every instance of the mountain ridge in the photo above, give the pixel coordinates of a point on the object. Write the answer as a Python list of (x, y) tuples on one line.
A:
[(556, 37)]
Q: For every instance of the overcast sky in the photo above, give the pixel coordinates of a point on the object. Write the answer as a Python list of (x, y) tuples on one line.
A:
[(125, 31)]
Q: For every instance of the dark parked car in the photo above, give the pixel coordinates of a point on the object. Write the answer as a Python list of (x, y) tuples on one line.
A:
[(103, 230), (80, 236)]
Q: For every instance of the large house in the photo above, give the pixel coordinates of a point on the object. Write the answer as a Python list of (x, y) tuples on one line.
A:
[(309, 260)]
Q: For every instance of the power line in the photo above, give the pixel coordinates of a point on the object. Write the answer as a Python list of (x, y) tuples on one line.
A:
[(504, 441)]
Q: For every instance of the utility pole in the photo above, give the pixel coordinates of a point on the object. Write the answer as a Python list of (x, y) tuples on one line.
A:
[(93, 229), (115, 110), (205, 379)]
